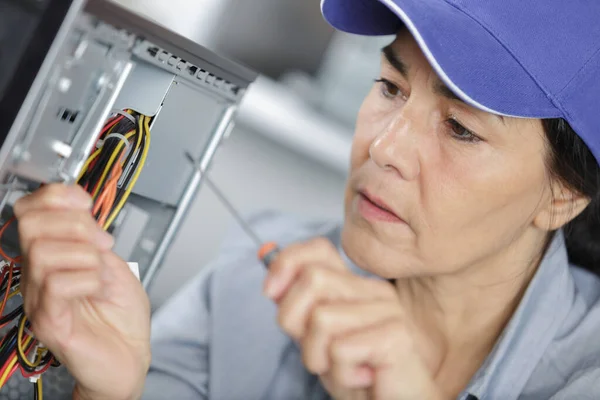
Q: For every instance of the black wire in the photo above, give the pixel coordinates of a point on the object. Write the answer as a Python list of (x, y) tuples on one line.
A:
[(93, 176), (134, 167), (28, 368), (19, 356), (10, 342), (15, 277), (36, 390), (11, 315), (138, 131), (101, 166)]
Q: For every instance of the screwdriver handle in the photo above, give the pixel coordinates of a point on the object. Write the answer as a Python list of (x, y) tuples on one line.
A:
[(268, 252)]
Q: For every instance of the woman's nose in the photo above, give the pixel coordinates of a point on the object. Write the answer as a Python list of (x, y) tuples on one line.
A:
[(396, 148)]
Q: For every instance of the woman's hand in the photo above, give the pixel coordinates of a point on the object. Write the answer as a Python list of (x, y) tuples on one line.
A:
[(353, 331), (83, 302)]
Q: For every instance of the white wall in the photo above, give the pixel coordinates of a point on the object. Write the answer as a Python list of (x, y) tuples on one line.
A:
[(254, 173)]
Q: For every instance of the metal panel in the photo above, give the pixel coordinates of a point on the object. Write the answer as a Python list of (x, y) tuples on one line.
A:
[(57, 128), (185, 123), (121, 17), (145, 89), (226, 123), (131, 224)]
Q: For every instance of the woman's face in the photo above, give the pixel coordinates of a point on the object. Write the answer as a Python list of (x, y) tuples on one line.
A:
[(456, 187)]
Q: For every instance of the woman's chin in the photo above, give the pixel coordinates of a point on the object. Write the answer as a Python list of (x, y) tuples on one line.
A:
[(370, 255), (374, 257)]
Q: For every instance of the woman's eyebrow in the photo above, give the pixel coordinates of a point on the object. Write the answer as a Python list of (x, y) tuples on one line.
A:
[(395, 61), (441, 89)]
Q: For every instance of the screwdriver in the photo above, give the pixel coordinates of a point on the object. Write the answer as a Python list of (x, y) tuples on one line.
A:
[(266, 251)]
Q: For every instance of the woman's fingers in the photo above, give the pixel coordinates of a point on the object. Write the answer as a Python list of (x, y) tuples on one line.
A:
[(290, 261), (54, 197), (330, 321), (48, 257), (389, 352), (71, 225), (315, 285)]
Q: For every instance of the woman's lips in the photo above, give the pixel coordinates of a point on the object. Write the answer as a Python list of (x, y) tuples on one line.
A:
[(374, 209)]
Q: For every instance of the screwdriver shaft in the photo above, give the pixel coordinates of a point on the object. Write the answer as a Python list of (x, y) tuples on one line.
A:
[(232, 210)]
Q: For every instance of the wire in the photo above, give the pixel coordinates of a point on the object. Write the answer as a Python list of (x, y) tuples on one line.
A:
[(7, 292), (27, 374), (7, 371), (3, 229), (136, 175), (109, 175), (107, 197), (87, 163), (11, 316), (21, 345), (39, 393), (111, 160)]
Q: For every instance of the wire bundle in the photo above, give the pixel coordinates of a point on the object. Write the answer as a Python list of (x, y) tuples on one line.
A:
[(112, 170), (18, 348), (109, 175)]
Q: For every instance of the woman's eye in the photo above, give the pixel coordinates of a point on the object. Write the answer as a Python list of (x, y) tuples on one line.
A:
[(388, 89), (459, 132)]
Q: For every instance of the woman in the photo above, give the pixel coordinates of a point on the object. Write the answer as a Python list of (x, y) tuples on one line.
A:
[(474, 183)]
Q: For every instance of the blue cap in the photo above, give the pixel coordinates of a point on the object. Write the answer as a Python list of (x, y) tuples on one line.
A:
[(519, 58)]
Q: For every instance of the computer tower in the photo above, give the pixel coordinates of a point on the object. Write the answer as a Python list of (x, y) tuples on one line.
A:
[(66, 68)]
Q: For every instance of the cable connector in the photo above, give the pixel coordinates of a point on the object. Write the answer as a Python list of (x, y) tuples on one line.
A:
[(38, 346), (135, 269)]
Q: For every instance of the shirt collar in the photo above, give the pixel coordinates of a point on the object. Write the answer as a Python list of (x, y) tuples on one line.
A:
[(532, 327)]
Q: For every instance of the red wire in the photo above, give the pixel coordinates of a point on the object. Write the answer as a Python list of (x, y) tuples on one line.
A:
[(12, 372), (15, 260), (107, 127), (30, 374), (8, 285), (27, 374), (39, 372), (110, 124), (5, 366), (107, 197)]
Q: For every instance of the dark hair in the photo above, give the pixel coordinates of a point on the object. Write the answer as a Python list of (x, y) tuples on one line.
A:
[(572, 162)]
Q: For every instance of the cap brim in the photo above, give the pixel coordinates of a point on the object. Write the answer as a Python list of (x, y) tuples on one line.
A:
[(469, 60)]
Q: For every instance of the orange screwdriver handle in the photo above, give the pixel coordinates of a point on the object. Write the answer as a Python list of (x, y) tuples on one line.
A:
[(268, 252)]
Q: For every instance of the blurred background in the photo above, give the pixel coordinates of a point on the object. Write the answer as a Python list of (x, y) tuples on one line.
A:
[(290, 148)]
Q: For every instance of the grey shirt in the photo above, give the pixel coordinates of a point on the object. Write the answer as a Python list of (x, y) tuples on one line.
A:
[(218, 337)]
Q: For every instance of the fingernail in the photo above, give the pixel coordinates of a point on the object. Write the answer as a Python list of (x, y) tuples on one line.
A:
[(105, 239)]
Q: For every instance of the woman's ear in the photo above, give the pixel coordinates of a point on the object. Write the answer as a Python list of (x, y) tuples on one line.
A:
[(564, 206)]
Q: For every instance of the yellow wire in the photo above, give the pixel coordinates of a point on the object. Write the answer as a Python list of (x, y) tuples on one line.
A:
[(146, 124), (9, 368), (20, 346), (40, 388), (14, 293), (91, 158), (111, 161), (95, 155), (11, 365)]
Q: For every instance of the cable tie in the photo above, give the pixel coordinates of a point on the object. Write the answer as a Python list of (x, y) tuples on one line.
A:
[(126, 115), (120, 136), (28, 331)]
